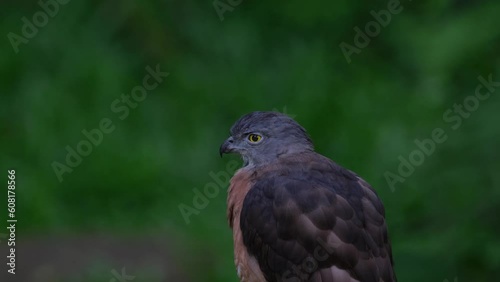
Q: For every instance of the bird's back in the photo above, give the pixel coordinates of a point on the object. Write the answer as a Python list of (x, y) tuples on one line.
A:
[(305, 218)]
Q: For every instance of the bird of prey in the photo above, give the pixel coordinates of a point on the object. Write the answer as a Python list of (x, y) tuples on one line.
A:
[(297, 215)]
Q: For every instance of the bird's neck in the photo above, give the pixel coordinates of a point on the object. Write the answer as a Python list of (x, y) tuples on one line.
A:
[(270, 157)]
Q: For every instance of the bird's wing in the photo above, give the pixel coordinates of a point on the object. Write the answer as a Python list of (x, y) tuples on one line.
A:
[(308, 219)]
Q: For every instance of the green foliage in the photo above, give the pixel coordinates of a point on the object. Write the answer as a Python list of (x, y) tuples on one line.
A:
[(443, 219)]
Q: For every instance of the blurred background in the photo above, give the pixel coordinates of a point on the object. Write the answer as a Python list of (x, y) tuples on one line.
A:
[(128, 208)]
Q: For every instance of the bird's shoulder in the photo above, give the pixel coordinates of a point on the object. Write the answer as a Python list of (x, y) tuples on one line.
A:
[(304, 202), (311, 174)]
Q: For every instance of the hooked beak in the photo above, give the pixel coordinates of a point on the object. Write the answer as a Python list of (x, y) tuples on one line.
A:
[(227, 146)]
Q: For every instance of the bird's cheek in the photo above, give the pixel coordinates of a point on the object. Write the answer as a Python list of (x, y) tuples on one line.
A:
[(241, 150), (238, 149)]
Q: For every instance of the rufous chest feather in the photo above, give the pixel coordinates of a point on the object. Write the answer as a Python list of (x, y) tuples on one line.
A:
[(246, 266), (239, 186)]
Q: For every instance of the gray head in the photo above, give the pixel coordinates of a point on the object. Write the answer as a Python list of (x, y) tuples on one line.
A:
[(261, 137)]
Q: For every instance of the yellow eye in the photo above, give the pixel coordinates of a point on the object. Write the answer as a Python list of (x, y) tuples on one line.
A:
[(254, 138)]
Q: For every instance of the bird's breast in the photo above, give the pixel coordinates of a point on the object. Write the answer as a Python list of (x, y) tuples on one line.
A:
[(247, 266)]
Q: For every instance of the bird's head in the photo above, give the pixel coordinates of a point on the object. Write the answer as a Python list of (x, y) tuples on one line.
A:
[(261, 137)]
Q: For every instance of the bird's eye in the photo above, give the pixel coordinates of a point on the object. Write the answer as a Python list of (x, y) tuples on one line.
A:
[(254, 138)]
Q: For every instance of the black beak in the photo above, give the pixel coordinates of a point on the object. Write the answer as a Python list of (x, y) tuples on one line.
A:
[(226, 147)]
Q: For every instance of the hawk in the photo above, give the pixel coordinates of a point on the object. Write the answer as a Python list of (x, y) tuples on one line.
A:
[(297, 215)]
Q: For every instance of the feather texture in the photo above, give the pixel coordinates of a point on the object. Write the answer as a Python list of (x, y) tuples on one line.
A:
[(304, 218)]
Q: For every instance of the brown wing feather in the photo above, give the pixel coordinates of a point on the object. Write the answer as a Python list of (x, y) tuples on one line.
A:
[(315, 222)]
